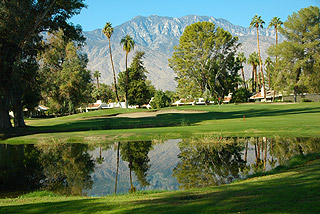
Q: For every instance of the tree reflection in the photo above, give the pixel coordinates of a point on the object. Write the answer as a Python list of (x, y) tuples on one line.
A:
[(20, 169), (67, 167), (208, 163), (136, 154)]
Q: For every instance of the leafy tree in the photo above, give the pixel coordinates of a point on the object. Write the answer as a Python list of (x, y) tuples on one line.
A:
[(138, 90), (108, 31), (104, 93), (128, 45), (242, 59), (20, 34), (66, 81), (160, 100), (254, 60), (258, 22), (240, 96), (299, 54), (205, 57)]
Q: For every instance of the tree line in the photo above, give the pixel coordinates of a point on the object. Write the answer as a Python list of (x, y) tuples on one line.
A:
[(207, 61)]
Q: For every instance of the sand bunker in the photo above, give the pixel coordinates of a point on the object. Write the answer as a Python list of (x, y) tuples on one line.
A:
[(155, 113)]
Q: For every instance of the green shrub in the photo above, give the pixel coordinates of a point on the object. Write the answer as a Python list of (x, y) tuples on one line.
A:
[(240, 96), (160, 100), (306, 100)]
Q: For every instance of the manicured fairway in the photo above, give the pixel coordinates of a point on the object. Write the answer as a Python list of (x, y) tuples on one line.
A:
[(286, 120)]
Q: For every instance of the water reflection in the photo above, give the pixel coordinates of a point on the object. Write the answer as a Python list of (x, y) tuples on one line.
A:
[(208, 163), (106, 168), (67, 167)]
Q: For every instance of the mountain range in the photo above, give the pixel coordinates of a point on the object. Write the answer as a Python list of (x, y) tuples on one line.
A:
[(156, 36)]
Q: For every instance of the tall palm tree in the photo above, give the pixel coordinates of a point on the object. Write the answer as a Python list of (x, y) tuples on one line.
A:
[(267, 62), (108, 31), (242, 59), (254, 60), (258, 22), (276, 24), (128, 45), (97, 75)]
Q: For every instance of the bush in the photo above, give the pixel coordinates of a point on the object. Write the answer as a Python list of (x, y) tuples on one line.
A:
[(160, 100), (306, 100), (240, 96)]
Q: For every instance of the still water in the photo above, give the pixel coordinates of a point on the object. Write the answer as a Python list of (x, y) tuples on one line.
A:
[(97, 169)]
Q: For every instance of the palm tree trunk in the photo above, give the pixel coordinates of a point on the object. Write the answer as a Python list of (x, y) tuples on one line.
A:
[(98, 82), (252, 79), (269, 77), (114, 73), (244, 80), (118, 155), (255, 79), (275, 66), (264, 87), (127, 79)]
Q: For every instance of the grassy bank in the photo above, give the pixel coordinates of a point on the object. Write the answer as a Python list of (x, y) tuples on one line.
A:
[(286, 120), (295, 190)]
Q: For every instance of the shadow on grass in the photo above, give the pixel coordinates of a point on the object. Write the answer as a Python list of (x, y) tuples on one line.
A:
[(162, 120), (296, 191)]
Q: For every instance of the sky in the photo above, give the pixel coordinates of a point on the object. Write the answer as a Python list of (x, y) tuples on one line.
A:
[(238, 12)]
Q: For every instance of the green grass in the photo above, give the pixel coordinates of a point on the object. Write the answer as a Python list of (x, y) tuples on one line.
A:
[(291, 191), (285, 120)]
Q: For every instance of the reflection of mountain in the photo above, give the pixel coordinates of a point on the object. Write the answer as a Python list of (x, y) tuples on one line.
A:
[(163, 158), (157, 36)]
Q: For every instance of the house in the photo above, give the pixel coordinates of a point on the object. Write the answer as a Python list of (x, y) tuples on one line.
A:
[(227, 99), (259, 97)]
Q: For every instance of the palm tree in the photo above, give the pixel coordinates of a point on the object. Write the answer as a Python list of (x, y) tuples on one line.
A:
[(96, 75), (267, 63), (258, 22), (253, 60), (128, 45), (276, 23), (108, 31), (242, 59)]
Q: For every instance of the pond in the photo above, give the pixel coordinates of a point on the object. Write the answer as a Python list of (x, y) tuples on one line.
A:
[(99, 169)]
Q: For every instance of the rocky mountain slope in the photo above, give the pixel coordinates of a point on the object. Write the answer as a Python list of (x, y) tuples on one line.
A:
[(157, 36)]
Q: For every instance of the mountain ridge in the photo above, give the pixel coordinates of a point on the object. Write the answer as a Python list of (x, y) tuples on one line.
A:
[(157, 35)]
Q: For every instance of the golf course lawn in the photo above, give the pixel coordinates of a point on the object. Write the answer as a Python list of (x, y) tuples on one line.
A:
[(243, 120), (290, 191)]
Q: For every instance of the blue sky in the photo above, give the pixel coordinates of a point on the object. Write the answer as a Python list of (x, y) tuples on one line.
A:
[(239, 12)]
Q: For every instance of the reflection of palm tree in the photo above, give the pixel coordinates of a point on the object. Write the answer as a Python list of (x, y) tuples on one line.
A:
[(118, 155), (246, 152), (100, 159)]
